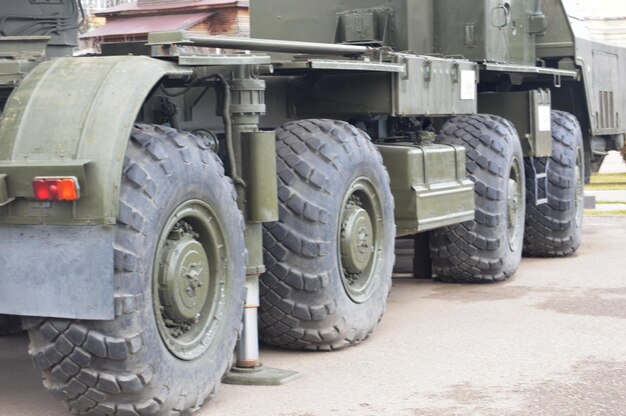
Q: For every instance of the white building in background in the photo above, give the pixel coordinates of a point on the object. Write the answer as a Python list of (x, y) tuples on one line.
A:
[(95, 5), (606, 19)]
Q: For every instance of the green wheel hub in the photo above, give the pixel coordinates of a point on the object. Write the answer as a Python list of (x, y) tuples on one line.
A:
[(189, 279), (360, 237), (515, 205), (183, 277), (357, 239)]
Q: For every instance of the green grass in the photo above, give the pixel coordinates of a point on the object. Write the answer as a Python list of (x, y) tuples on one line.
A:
[(606, 187), (607, 182), (610, 202), (594, 213), (609, 178)]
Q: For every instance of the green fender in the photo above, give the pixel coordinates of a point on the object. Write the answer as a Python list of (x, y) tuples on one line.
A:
[(73, 116)]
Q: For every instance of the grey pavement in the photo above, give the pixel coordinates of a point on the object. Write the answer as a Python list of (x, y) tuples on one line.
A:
[(616, 198), (613, 163), (550, 341), (609, 196)]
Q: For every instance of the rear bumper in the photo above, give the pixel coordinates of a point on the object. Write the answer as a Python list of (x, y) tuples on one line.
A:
[(57, 271)]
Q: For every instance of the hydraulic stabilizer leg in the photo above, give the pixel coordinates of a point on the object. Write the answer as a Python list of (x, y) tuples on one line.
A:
[(248, 347), (248, 369), (251, 153)]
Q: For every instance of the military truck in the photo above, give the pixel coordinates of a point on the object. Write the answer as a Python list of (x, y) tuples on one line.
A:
[(165, 203)]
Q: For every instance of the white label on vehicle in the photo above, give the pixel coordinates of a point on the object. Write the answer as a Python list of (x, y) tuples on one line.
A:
[(468, 85), (544, 117)]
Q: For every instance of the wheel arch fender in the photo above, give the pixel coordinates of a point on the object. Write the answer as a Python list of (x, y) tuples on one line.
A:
[(80, 111)]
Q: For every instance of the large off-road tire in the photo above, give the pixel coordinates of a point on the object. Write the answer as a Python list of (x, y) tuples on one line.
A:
[(554, 229), (179, 277), (10, 325), (489, 247), (330, 256)]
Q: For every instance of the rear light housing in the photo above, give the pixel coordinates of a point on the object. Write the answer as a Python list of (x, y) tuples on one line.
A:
[(56, 188)]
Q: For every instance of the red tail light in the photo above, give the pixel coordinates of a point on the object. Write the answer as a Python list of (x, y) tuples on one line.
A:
[(56, 189)]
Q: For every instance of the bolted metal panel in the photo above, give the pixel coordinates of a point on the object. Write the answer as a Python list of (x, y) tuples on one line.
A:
[(57, 271), (435, 86), (429, 186)]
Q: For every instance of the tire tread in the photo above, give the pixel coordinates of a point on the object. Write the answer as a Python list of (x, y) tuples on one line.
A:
[(83, 364), (471, 252), (551, 229), (296, 312)]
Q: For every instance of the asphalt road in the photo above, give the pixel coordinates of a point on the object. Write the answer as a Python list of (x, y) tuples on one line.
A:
[(550, 341)]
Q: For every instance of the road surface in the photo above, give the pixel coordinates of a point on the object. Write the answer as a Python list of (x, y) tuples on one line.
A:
[(550, 341)]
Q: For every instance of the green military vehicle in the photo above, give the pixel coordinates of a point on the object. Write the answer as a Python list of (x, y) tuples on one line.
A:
[(153, 196)]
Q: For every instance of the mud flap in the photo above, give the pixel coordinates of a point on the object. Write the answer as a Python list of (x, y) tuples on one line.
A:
[(57, 271)]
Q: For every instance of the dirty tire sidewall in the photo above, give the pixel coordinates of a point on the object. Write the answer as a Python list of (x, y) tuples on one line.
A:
[(483, 250), (122, 367), (554, 229), (304, 304)]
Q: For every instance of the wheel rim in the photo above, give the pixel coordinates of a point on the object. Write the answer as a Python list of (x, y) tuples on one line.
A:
[(515, 202), (579, 199), (360, 240), (189, 280)]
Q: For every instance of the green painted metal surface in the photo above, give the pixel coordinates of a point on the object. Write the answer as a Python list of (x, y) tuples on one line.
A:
[(361, 238), (487, 30), (190, 273), (19, 176), (4, 191), (425, 86), (23, 47), (259, 173), (54, 19), (602, 67), (72, 117), (18, 56), (502, 31), (435, 86), (429, 186), (318, 21), (69, 110)]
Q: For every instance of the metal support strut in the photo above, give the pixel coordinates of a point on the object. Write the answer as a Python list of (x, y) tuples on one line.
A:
[(243, 105), (248, 347)]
